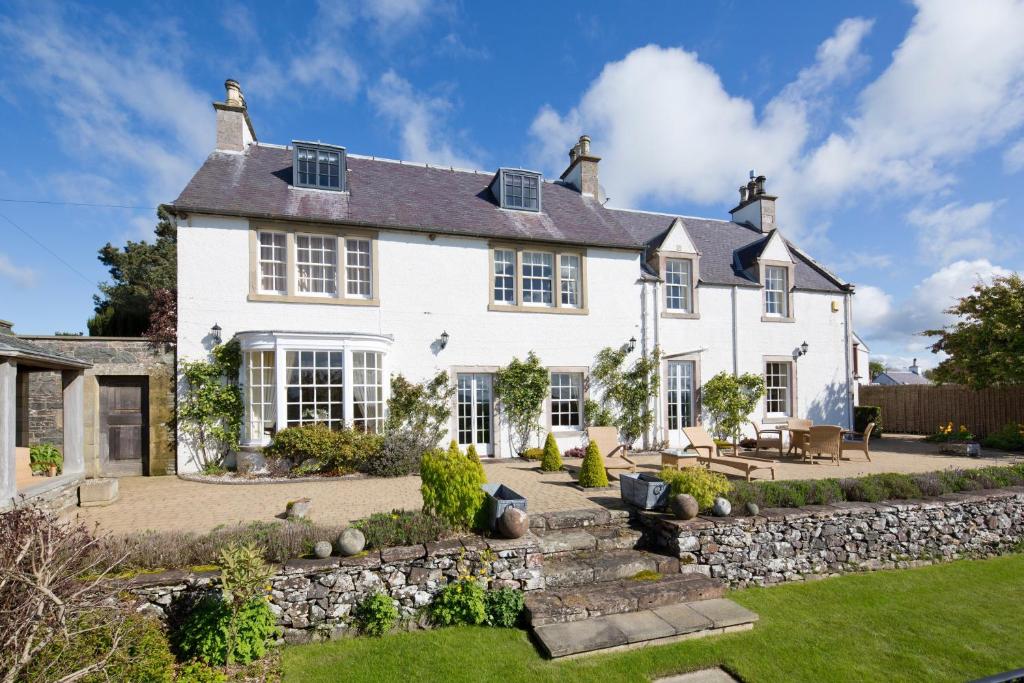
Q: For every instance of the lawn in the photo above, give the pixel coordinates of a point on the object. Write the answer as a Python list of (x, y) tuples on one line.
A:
[(950, 622)]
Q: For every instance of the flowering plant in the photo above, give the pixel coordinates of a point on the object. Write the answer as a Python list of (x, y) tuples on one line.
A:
[(949, 433)]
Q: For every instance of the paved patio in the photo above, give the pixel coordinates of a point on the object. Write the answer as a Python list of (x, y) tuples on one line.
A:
[(170, 503)]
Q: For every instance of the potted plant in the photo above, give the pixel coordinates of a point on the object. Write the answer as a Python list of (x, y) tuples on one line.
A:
[(954, 441), (46, 459)]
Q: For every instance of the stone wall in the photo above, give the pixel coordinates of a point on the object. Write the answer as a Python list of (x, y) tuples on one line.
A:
[(795, 544), (114, 357), (315, 598)]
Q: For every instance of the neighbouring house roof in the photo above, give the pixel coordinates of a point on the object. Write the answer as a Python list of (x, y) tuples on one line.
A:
[(22, 350), (391, 194), (902, 377)]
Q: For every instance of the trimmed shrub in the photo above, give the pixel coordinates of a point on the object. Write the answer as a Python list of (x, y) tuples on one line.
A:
[(503, 607), (451, 488), (461, 602), (401, 527), (534, 454), (475, 458), (1008, 438), (702, 484), (552, 459), (400, 453), (592, 472), (376, 615), (865, 415), (205, 633), (42, 455), (339, 451)]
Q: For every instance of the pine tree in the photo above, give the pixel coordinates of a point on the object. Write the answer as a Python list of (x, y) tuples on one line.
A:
[(592, 472), (552, 460)]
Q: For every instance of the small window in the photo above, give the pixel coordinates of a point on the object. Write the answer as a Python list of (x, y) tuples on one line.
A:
[(358, 268), (678, 285), (776, 288), (778, 384), (570, 276), (321, 166), (518, 190), (316, 259), (538, 278), (566, 400), (504, 276), (273, 263)]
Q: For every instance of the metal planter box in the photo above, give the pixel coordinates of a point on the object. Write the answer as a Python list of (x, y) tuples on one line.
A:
[(500, 498), (643, 490)]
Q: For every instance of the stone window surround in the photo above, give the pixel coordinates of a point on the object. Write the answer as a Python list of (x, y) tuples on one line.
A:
[(282, 342), (694, 259), (585, 385), (765, 418), (556, 287), (453, 421), (790, 267), (663, 390), (292, 296)]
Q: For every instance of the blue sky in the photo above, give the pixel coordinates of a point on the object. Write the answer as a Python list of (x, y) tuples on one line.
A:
[(893, 132)]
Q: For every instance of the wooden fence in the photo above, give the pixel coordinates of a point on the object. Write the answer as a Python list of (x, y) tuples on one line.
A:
[(920, 409)]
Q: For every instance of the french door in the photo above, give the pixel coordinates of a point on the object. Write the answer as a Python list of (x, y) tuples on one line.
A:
[(475, 412), (681, 401)]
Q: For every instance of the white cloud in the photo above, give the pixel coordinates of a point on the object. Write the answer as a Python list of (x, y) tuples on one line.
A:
[(420, 120), (21, 276), (391, 17), (1013, 157), (953, 231), (237, 20), (872, 308)]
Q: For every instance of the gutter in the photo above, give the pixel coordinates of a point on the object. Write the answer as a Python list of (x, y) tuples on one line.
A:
[(848, 320)]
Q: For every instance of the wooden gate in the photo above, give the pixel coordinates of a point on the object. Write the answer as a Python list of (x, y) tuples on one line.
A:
[(124, 420)]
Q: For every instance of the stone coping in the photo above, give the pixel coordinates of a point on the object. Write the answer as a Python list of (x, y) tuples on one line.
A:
[(838, 508)]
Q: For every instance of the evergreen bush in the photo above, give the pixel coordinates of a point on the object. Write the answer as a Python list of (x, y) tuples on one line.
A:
[(703, 484), (475, 458), (551, 461), (450, 487), (592, 472), (461, 602)]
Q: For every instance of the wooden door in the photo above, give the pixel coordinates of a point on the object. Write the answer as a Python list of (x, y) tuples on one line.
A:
[(123, 424)]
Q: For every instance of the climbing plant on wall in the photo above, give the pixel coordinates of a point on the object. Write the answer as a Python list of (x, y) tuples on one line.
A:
[(210, 409)]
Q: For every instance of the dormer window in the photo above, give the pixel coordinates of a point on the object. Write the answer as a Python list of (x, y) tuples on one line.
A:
[(320, 166), (517, 189)]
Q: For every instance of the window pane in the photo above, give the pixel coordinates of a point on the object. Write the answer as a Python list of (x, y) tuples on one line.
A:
[(504, 276), (775, 291), (316, 264), (318, 167), (358, 275), (537, 278), (367, 391), (777, 383), (314, 391), (259, 393), (678, 285), (570, 274), (272, 262), (522, 191), (566, 399)]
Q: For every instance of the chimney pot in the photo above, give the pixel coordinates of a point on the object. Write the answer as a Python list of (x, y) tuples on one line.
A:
[(759, 181), (743, 193), (585, 145), (234, 95), (234, 129), (582, 170)]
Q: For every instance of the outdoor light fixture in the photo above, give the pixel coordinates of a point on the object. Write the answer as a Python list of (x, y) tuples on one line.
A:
[(444, 339), (215, 333), (631, 344), (803, 350)]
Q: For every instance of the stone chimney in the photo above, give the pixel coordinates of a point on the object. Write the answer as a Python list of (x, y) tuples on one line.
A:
[(914, 368), (756, 206), (582, 170), (234, 129), (6, 327)]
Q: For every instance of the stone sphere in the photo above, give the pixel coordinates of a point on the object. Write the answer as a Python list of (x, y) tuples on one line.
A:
[(684, 506), (322, 549), (513, 523), (752, 509), (351, 541), (721, 508)]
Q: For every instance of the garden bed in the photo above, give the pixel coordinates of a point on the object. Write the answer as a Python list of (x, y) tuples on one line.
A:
[(234, 478)]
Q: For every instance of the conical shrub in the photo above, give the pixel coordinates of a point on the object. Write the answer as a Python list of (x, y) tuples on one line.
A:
[(475, 457), (592, 472), (552, 460)]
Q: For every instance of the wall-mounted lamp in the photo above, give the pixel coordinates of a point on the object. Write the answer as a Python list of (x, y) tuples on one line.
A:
[(631, 344), (215, 333), (802, 351), (444, 339)]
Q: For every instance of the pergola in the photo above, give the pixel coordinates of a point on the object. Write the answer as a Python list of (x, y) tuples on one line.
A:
[(19, 355)]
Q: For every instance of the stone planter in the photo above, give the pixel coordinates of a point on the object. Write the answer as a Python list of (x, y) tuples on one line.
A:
[(499, 498), (643, 490), (970, 449)]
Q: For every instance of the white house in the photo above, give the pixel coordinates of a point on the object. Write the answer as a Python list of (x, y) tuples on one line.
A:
[(336, 271)]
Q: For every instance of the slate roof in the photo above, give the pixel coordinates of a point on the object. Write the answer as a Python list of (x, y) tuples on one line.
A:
[(13, 346), (903, 377), (390, 194)]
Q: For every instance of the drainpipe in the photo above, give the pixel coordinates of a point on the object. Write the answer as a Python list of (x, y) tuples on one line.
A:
[(735, 332), (848, 324), (659, 423)]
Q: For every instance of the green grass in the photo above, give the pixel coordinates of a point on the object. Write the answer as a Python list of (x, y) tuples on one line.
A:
[(950, 622)]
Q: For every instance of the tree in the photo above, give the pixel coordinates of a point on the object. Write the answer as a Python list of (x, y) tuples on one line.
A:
[(729, 400), (137, 271), (422, 408), (163, 317), (522, 386), (626, 393), (985, 347), (875, 368)]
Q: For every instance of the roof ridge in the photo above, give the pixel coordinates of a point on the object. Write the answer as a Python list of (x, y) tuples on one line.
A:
[(669, 215)]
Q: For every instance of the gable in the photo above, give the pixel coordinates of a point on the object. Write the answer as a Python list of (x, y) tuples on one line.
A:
[(776, 249), (678, 239)]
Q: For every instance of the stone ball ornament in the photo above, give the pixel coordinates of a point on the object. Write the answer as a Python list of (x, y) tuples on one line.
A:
[(684, 506), (322, 549), (513, 523), (351, 542), (721, 508)]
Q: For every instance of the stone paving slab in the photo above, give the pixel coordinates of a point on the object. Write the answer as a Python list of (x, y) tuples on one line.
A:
[(724, 613), (715, 675), (641, 626), (683, 618)]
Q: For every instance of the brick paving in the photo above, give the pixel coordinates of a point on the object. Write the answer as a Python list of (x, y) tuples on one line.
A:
[(170, 503)]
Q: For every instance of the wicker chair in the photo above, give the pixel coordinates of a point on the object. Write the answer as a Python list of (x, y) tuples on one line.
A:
[(860, 444), (767, 438), (797, 441), (825, 440)]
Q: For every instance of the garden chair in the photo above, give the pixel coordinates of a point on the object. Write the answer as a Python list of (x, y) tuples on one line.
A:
[(859, 443), (798, 439), (607, 440), (824, 440), (700, 440), (767, 439)]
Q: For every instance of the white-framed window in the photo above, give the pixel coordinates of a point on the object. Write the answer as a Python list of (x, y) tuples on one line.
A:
[(473, 410), (504, 276), (679, 285), (358, 268), (259, 391), (273, 262), (316, 264), (566, 400), (680, 394), (776, 289), (315, 382), (778, 379), (367, 391), (570, 279), (538, 278)]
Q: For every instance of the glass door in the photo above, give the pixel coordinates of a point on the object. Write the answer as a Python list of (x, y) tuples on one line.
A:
[(680, 394), (474, 412)]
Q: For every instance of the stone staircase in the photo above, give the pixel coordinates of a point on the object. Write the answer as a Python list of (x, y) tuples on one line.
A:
[(604, 592)]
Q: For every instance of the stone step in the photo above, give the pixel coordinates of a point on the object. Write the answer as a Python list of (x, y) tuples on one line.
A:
[(656, 626), (581, 602), (587, 567), (582, 518), (555, 543)]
